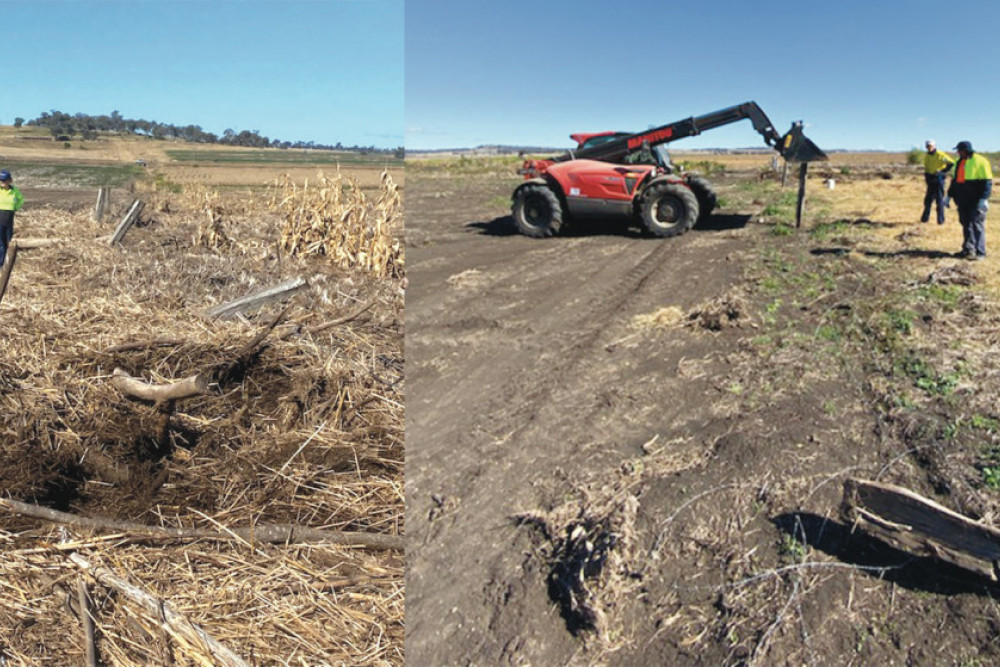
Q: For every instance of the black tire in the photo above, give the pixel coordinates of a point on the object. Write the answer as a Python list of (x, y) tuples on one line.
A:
[(537, 211), (707, 199), (668, 209)]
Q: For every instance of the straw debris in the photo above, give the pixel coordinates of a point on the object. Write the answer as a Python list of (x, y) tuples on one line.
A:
[(299, 425)]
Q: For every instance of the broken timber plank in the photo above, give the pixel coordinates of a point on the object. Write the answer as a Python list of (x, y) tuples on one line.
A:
[(127, 222), (921, 526), (257, 299)]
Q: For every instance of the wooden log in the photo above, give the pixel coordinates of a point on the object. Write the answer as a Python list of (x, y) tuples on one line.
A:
[(176, 623), (257, 299), (158, 393), (261, 533), (127, 222), (921, 526), (8, 266)]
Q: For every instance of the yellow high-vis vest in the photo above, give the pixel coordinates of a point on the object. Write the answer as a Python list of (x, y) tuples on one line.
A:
[(11, 199)]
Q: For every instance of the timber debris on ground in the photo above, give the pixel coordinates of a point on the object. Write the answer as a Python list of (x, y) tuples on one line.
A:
[(920, 526)]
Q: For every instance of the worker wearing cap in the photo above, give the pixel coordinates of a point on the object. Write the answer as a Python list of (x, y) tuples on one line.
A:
[(971, 187), (10, 200), (936, 166)]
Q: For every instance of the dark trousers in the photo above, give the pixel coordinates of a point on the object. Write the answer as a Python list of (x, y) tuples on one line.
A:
[(6, 233), (973, 230), (935, 194)]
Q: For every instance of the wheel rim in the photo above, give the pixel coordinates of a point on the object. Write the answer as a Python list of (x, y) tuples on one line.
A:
[(536, 211), (668, 211)]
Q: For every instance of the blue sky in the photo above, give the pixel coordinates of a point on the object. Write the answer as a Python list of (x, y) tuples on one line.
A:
[(875, 74), (319, 70)]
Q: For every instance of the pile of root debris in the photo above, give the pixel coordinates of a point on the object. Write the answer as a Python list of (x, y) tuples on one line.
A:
[(182, 484)]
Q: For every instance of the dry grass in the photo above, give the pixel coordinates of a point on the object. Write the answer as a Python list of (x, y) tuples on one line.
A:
[(307, 430), (895, 206)]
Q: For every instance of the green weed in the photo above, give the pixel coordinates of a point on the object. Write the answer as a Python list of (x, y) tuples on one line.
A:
[(823, 230), (790, 547), (985, 423), (900, 321), (829, 332), (946, 296), (927, 379)]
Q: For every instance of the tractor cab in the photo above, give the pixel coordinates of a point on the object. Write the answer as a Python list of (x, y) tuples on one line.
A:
[(657, 155)]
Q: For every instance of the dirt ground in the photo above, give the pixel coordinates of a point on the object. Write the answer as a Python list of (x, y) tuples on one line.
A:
[(624, 450)]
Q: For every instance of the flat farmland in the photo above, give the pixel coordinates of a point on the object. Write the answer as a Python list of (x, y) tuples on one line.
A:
[(627, 450)]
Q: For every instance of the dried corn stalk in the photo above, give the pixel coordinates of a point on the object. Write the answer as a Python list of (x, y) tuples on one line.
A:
[(335, 218), (211, 232)]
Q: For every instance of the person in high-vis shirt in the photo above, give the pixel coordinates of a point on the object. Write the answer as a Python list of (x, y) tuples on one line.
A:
[(970, 189), (10, 200), (936, 166)]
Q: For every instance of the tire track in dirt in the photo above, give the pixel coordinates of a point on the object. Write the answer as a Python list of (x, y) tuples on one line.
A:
[(510, 380), (537, 399), (535, 385)]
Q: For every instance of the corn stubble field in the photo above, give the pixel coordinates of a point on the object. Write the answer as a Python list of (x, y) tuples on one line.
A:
[(290, 462)]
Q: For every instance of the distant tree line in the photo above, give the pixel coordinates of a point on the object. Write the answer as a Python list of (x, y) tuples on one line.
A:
[(64, 127)]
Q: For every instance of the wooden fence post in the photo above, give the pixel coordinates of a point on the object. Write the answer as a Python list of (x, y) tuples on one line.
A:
[(801, 204), (101, 207)]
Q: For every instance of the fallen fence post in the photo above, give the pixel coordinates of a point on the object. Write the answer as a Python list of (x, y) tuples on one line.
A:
[(127, 222), (917, 525), (257, 299)]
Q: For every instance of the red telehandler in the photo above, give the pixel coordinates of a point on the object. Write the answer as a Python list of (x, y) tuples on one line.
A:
[(630, 175)]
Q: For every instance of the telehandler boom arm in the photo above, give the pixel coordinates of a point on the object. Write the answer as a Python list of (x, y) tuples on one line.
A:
[(793, 146)]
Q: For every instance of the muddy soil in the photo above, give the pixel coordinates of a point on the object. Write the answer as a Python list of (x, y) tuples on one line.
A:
[(583, 488)]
